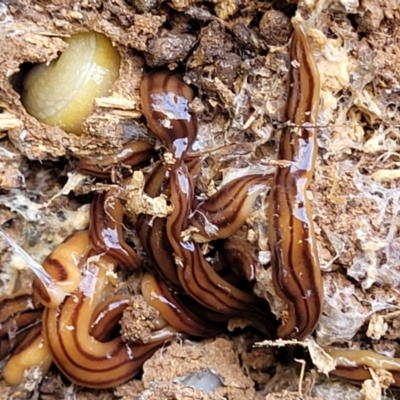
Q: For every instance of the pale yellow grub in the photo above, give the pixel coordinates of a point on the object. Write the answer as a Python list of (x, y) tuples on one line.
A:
[(63, 93)]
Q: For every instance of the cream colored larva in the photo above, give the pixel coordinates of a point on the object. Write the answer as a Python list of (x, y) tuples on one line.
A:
[(62, 93)]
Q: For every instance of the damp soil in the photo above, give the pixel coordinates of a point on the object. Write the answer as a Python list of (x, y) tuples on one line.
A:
[(235, 56)]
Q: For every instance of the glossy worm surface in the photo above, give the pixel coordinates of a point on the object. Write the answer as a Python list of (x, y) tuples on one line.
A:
[(153, 234), (355, 365), (154, 239), (107, 315), (240, 258), (133, 155), (80, 356), (63, 264), (296, 272), (17, 315), (32, 352), (175, 311), (196, 275), (157, 242), (165, 104), (105, 230), (225, 212), (79, 333)]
